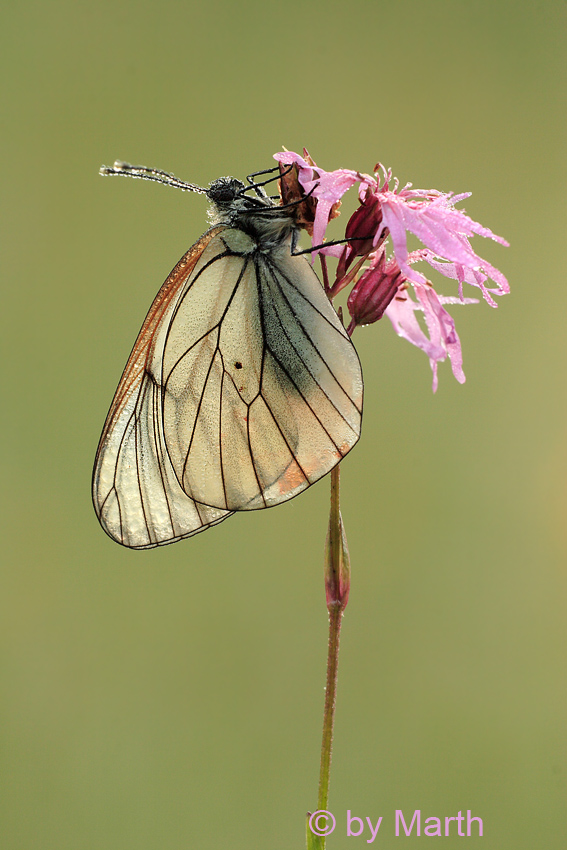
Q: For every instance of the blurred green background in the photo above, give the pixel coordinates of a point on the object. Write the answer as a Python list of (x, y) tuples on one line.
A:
[(173, 698)]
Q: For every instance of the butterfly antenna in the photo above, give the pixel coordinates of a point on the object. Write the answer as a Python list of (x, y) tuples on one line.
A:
[(141, 172)]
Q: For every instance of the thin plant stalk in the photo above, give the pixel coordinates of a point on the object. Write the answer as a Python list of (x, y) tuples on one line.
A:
[(337, 585)]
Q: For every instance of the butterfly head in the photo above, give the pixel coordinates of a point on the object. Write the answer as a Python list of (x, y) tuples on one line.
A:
[(224, 191), (255, 214)]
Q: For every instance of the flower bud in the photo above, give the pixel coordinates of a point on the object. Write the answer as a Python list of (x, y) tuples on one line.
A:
[(337, 567), (363, 226), (374, 290)]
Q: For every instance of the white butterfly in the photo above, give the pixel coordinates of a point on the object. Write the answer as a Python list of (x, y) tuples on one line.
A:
[(242, 388)]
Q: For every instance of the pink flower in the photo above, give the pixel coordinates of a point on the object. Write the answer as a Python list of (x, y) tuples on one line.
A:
[(383, 289), (445, 231), (384, 285), (327, 187)]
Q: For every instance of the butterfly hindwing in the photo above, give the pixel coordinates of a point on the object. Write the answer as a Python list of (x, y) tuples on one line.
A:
[(136, 494)]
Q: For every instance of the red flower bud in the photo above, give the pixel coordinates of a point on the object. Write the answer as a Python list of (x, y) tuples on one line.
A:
[(363, 226), (374, 290)]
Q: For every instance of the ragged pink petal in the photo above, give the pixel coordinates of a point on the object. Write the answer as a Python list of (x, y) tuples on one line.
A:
[(443, 339), (444, 231)]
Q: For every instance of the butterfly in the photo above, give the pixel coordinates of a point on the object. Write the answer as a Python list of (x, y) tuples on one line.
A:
[(242, 389)]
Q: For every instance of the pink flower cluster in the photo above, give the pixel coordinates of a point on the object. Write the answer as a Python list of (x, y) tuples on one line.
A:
[(383, 285)]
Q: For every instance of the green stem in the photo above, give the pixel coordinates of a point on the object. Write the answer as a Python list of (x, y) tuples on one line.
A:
[(335, 618)]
